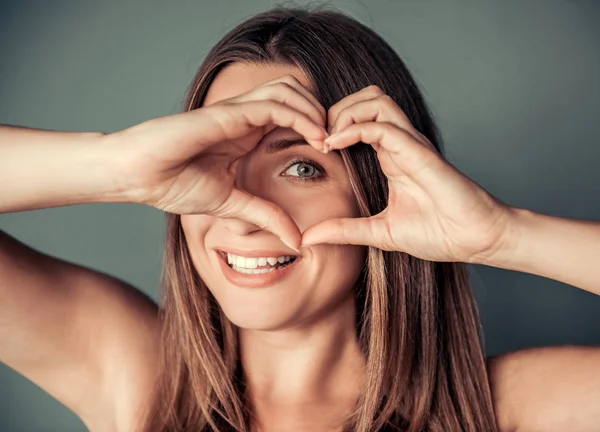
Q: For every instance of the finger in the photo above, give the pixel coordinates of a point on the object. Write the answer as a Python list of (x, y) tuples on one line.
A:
[(357, 231), (379, 109), (221, 121), (284, 93), (267, 112), (411, 156), (288, 90), (262, 213), (291, 80), (369, 92)]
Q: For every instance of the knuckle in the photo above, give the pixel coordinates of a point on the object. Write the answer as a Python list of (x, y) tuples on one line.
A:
[(268, 92), (386, 98), (332, 114), (289, 79), (340, 112), (375, 90), (388, 127), (283, 86), (276, 90), (342, 115), (321, 109)]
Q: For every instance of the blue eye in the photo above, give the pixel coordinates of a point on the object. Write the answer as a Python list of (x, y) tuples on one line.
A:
[(304, 170)]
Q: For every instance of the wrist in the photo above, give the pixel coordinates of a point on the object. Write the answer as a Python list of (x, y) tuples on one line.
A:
[(507, 247), (119, 184)]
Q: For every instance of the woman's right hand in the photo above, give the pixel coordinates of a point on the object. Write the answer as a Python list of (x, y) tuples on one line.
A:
[(185, 163)]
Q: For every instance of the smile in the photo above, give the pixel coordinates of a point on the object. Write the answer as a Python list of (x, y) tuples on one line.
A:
[(258, 265), (256, 271)]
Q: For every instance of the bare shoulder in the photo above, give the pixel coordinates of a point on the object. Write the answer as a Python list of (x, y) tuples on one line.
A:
[(87, 338), (128, 335), (547, 389)]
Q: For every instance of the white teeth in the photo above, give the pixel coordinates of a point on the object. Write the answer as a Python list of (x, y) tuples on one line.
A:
[(253, 263), (240, 261), (253, 271)]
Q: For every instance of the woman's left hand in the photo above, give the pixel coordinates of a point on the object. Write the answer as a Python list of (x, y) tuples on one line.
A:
[(434, 211)]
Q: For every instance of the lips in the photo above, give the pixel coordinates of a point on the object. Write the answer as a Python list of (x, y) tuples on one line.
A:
[(264, 280)]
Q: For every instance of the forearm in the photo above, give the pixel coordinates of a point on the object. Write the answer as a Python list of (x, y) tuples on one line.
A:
[(567, 250), (41, 168)]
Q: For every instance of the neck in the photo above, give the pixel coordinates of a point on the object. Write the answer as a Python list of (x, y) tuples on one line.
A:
[(313, 364)]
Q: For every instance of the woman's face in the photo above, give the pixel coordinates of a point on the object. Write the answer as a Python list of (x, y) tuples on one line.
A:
[(311, 187)]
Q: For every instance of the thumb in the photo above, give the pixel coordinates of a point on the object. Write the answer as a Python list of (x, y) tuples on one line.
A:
[(357, 231), (264, 214)]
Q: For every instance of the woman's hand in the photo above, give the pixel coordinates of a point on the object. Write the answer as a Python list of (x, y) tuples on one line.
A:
[(434, 211), (186, 163)]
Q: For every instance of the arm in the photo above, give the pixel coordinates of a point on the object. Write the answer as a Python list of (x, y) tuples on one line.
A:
[(63, 325), (42, 169), (567, 250), (551, 388)]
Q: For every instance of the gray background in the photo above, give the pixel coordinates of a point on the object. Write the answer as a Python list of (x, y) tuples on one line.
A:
[(514, 86)]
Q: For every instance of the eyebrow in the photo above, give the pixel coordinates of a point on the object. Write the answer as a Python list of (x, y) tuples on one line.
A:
[(278, 145)]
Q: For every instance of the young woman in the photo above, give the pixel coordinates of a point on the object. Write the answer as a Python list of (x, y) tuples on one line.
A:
[(314, 271)]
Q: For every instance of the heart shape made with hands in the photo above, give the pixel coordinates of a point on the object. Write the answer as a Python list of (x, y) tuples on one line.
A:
[(433, 212)]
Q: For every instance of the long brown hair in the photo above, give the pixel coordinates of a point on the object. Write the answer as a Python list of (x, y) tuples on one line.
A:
[(418, 323)]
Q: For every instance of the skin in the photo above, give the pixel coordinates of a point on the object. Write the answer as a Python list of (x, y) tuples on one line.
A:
[(93, 342), (297, 338)]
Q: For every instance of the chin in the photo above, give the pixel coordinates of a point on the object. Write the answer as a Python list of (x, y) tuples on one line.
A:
[(276, 311), (261, 320)]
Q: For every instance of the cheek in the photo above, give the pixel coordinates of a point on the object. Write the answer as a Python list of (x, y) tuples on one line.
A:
[(195, 228), (317, 207), (196, 223), (339, 268)]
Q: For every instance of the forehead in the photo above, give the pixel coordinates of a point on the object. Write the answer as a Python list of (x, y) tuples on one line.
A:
[(238, 78)]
